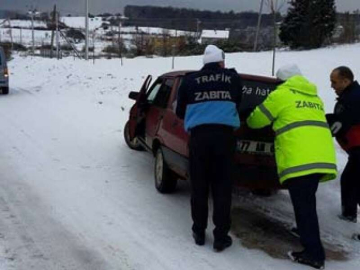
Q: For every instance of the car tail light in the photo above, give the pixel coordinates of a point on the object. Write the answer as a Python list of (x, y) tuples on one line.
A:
[(6, 72)]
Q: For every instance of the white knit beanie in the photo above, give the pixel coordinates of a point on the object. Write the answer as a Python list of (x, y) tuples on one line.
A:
[(287, 71), (213, 54)]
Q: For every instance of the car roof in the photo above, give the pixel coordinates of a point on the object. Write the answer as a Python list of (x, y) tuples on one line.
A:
[(252, 77)]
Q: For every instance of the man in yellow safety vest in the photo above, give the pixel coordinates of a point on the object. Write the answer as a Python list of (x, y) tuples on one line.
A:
[(304, 152)]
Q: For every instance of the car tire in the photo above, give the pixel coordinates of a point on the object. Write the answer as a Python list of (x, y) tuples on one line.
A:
[(134, 143), (5, 91), (165, 179)]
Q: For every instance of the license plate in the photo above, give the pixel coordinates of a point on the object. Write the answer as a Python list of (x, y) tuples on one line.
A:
[(254, 147)]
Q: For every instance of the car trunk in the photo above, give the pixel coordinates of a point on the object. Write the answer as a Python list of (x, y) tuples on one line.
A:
[(255, 165)]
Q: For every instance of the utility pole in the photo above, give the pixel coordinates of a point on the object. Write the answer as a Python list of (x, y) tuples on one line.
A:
[(52, 31), (32, 33), (32, 13), (120, 42), (87, 30), (93, 45), (173, 50), (20, 35), (57, 36), (11, 36), (112, 36), (198, 28), (274, 10), (258, 25)]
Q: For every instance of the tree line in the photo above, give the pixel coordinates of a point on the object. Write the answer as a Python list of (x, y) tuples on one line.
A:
[(307, 24), (191, 19)]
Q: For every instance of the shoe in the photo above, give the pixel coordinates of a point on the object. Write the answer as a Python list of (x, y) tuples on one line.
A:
[(199, 238), (222, 243), (295, 232), (356, 237), (302, 258), (348, 218)]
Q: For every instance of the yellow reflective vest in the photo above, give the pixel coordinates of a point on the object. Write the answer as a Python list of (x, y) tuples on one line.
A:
[(303, 142)]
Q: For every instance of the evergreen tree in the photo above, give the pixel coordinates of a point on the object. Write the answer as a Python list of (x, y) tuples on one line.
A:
[(293, 26), (323, 21), (308, 23)]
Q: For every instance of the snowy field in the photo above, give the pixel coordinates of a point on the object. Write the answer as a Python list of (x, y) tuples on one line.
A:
[(96, 23), (97, 34), (24, 35), (74, 196), (23, 23)]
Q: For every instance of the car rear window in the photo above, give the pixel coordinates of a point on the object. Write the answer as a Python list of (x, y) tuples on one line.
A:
[(254, 92)]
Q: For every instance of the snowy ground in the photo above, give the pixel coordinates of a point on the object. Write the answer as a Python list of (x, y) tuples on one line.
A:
[(74, 196)]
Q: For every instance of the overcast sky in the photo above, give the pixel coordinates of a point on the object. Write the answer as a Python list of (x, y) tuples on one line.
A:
[(114, 6)]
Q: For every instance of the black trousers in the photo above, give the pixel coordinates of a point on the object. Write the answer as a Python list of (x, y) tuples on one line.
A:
[(303, 196), (211, 157), (350, 184)]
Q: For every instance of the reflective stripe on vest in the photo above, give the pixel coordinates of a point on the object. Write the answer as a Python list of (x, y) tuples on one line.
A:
[(301, 124), (307, 167), (266, 112)]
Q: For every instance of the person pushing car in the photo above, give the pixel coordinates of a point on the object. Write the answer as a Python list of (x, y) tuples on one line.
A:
[(304, 152), (208, 101)]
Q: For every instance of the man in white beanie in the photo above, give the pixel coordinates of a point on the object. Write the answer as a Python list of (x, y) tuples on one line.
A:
[(208, 101), (304, 152)]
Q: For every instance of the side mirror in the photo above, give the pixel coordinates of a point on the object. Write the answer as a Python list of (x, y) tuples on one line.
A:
[(134, 95)]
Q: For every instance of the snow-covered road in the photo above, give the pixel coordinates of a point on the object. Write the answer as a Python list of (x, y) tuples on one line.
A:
[(73, 196)]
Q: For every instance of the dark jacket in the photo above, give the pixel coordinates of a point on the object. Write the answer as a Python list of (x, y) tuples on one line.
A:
[(345, 121), (210, 96)]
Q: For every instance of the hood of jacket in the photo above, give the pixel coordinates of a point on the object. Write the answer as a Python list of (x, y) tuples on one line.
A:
[(300, 84)]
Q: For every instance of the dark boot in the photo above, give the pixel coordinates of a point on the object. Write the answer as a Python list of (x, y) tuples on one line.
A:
[(303, 258), (199, 238), (222, 243)]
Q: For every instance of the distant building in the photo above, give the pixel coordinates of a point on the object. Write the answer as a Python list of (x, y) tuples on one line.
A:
[(213, 36)]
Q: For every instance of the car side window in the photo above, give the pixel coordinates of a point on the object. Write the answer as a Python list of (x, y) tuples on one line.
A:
[(151, 95), (160, 92), (174, 102)]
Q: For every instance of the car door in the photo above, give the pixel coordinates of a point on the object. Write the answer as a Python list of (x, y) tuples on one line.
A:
[(137, 110), (157, 100), (175, 137)]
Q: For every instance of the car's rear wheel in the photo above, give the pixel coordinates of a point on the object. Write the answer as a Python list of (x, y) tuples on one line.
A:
[(5, 90), (165, 179), (134, 143)]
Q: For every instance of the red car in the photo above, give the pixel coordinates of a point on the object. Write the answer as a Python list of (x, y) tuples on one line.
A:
[(154, 126)]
